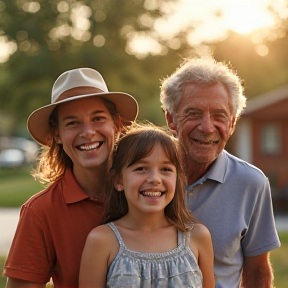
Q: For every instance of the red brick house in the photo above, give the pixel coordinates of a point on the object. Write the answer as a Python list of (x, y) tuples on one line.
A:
[(261, 137)]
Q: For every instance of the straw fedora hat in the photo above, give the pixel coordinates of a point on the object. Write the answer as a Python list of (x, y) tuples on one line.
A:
[(89, 83)]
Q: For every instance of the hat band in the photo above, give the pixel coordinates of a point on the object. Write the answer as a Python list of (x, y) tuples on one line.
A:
[(77, 91)]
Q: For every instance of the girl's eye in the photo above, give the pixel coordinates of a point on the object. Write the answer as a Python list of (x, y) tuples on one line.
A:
[(140, 168), (168, 169)]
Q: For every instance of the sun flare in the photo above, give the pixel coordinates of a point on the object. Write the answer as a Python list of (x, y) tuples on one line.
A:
[(246, 16), (205, 21)]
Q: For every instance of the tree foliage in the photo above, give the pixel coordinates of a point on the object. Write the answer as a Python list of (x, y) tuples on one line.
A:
[(52, 36)]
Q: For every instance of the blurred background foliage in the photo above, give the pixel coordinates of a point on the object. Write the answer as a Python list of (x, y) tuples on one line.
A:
[(40, 39), (133, 44)]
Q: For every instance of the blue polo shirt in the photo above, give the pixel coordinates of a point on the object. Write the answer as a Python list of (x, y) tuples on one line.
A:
[(233, 199)]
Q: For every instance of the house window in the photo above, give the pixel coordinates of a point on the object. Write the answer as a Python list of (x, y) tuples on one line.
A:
[(270, 139)]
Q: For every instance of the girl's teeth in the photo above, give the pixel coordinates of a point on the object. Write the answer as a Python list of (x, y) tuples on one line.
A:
[(152, 194)]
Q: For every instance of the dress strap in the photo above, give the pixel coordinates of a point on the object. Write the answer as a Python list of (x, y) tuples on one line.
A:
[(117, 233), (180, 237), (188, 235), (183, 238), (187, 238)]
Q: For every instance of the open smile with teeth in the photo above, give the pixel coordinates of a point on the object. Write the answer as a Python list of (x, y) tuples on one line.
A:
[(206, 142), (89, 147), (152, 193)]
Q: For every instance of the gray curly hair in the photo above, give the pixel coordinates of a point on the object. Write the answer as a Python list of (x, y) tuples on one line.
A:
[(205, 70)]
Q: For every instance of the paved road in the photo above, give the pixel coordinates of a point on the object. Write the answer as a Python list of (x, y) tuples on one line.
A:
[(9, 220)]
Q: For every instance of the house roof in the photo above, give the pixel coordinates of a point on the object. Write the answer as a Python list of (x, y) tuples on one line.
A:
[(266, 99)]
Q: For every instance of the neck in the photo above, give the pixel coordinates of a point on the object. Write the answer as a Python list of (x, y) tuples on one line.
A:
[(194, 170), (145, 222), (92, 181)]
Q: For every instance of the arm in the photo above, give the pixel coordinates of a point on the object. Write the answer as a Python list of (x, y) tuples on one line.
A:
[(202, 238), (96, 258), (261, 236), (257, 272), (18, 283)]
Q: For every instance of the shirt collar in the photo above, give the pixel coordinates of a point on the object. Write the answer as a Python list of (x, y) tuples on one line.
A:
[(216, 172), (72, 192), (218, 169)]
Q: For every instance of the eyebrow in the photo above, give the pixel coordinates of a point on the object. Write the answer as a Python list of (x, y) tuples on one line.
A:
[(218, 110), (71, 117)]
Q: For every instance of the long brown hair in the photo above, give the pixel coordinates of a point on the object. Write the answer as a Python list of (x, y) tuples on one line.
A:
[(52, 161), (137, 143)]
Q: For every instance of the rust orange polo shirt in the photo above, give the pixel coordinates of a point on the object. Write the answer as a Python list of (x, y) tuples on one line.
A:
[(51, 234)]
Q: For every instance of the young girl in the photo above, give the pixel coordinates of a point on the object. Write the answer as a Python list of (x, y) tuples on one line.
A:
[(150, 239)]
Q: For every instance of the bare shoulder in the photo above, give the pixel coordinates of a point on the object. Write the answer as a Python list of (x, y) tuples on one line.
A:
[(200, 240), (102, 241), (200, 232), (101, 235), (99, 251)]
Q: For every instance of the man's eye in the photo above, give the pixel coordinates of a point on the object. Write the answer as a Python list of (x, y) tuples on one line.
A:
[(70, 123), (220, 116), (193, 114), (99, 118)]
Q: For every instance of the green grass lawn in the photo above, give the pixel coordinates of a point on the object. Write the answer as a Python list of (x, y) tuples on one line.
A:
[(17, 185), (279, 260)]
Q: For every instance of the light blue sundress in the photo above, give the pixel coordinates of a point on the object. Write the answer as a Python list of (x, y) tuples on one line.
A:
[(174, 269)]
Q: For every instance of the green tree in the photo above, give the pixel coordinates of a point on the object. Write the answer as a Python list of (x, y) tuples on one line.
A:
[(53, 36)]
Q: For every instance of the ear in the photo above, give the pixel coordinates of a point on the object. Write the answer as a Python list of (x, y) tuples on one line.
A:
[(170, 122), (118, 184), (57, 136), (233, 125), (58, 140)]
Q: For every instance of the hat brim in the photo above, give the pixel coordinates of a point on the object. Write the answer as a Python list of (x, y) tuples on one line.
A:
[(38, 121)]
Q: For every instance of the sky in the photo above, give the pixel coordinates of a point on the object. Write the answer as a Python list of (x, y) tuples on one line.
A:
[(211, 21)]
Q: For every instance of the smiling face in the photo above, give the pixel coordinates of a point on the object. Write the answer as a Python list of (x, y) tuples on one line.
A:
[(87, 132), (203, 121), (149, 183)]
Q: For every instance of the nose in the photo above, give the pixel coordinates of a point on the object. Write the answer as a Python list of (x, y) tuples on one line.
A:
[(154, 177), (207, 124), (88, 131)]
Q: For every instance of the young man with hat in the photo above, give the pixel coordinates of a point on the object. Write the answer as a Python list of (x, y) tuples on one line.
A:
[(77, 132)]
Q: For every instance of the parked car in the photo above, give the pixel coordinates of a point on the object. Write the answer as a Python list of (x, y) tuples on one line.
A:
[(17, 151), (12, 158)]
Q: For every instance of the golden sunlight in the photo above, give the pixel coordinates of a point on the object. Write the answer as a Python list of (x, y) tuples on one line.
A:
[(246, 16), (7, 48), (204, 21)]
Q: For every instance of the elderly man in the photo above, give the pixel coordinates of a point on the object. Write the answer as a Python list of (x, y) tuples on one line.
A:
[(202, 101)]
